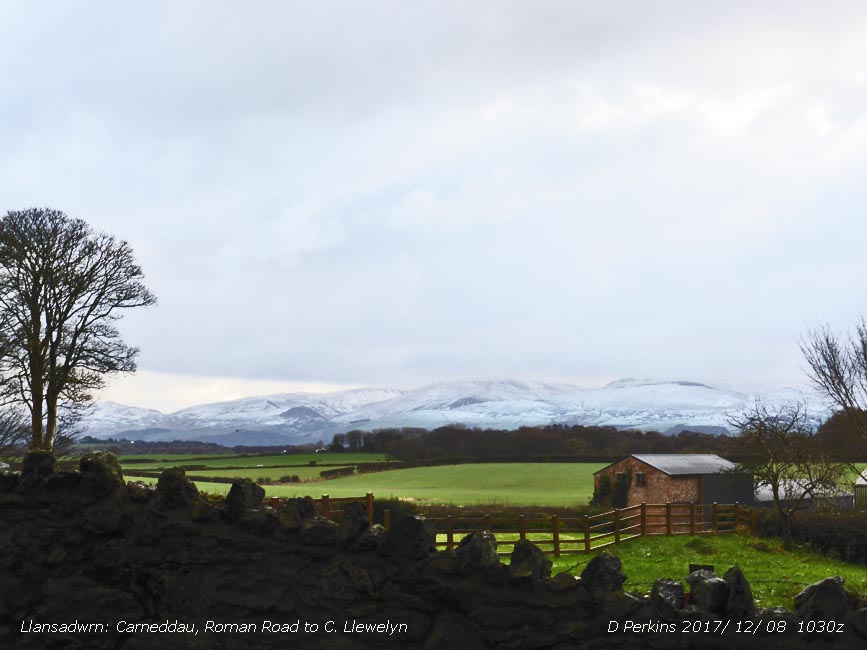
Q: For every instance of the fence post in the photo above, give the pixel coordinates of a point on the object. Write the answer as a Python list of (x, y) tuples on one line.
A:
[(616, 526), (522, 527), (692, 519), (643, 519), (326, 506), (713, 518), (386, 519), (668, 517), (486, 522), (555, 523), (450, 533), (753, 520), (370, 507), (586, 533), (737, 514)]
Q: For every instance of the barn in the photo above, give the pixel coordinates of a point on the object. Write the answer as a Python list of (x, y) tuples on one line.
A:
[(675, 478)]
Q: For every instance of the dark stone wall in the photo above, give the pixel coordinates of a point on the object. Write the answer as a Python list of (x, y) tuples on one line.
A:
[(84, 547)]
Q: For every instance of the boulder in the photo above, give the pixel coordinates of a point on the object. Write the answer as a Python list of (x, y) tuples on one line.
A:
[(101, 474), (453, 630), (740, 604), (529, 562), (244, 495), (103, 520), (858, 621), (63, 481), (603, 576), (667, 597), (562, 582), (294, 512), (175, 490), (319, 531), (353, 522), (139, 491), (409, 537), (36, 467), (370, 538), (476, 550), (824, 600), (708, 592)]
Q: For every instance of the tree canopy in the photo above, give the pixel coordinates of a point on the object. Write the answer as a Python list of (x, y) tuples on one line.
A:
[(62, 288)]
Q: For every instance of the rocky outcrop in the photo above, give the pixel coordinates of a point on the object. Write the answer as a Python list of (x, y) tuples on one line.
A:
[(163, 568)]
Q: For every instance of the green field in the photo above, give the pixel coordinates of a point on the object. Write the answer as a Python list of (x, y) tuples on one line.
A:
[(543, 484), (516, 484), (304, 472), (775, 575), (272, 460)]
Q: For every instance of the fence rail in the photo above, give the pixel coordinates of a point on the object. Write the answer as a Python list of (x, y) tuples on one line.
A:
[(572, 535)]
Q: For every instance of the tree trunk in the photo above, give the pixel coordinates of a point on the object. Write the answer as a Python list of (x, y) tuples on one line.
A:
[(37, 396), (51, 424), (786, 522)]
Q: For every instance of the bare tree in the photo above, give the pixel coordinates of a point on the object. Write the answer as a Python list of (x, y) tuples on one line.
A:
[(783, 455), (837, 367), (13, 434), (62, 286)]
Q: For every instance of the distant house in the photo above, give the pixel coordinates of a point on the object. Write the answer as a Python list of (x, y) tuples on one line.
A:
[(833, 499), (676, 478)]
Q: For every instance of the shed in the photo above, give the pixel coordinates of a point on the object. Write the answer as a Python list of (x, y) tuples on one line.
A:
[(677, 478), (860, 489)]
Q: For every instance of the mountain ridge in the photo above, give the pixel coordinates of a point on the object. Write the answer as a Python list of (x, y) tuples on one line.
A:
[(298, 418)]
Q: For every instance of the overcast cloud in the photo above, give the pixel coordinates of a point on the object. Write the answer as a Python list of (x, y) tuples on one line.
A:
[(386, 193)]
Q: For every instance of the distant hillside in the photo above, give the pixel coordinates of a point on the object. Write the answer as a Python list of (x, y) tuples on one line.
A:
[(298, 418)]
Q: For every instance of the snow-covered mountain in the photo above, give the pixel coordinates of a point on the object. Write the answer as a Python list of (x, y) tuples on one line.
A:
[(292, 418)]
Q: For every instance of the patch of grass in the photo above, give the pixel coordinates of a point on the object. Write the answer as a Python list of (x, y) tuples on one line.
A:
[(775, 575)]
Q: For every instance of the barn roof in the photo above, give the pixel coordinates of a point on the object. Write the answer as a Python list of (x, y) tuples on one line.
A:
[(674, 464), (684, 464)]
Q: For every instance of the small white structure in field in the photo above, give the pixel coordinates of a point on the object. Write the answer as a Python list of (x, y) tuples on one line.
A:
[(860, 489)]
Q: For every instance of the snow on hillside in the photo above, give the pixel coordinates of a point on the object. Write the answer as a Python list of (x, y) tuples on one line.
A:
[(304, 417), (267, 410)]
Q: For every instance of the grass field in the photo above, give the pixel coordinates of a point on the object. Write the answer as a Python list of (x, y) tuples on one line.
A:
[(221, 461), (305, 473), (555, 484), (775, 575), (548, 484)]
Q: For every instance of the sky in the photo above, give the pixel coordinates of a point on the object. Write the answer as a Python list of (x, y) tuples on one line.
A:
[(336, 194)]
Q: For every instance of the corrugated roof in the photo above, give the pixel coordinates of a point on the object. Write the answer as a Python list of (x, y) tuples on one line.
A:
[(679, 464)]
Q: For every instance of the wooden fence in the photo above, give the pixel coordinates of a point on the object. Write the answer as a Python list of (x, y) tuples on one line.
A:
[(570, 535)]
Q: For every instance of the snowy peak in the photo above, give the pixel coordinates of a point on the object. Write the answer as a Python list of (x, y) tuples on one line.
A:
[(506, 404)]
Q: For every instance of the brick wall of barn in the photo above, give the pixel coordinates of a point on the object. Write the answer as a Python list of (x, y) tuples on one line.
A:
[(658, 487)]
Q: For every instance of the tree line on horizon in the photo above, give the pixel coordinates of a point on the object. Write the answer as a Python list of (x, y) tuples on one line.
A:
[(835, 436)]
